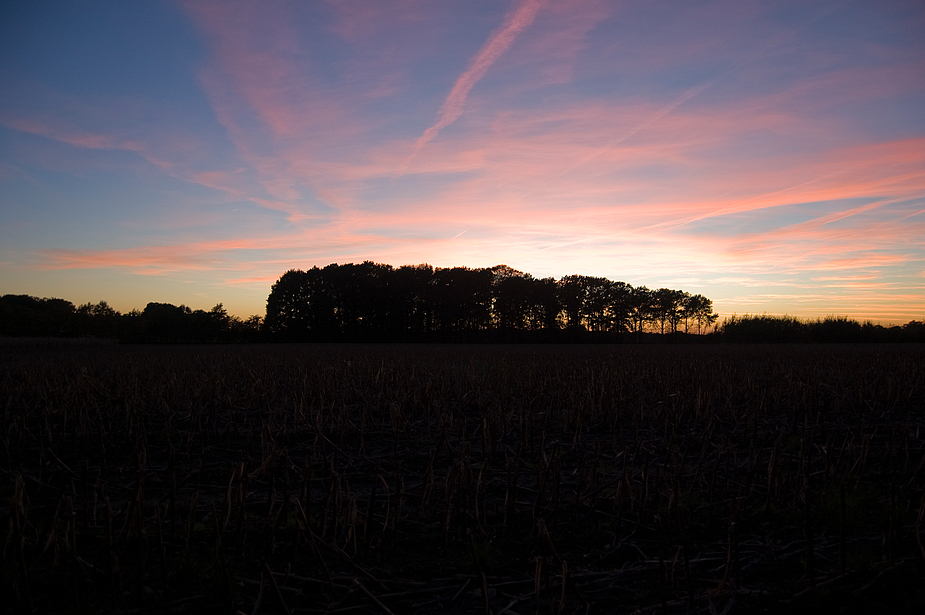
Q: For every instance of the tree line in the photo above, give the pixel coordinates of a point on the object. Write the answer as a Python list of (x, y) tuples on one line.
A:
[(26, 316), (766, 328), (377, 302)]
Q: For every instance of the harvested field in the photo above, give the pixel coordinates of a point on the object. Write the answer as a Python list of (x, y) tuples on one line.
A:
[(463, 479)]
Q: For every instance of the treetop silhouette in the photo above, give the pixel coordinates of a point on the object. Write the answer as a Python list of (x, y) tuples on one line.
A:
[(377, 302)]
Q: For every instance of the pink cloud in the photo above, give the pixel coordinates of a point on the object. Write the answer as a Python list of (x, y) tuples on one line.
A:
[(358, 21), (497, 44), (61, 131), (256, 48), (556, 55), (267, 280), (844, 278), (293, 213), (530, 174), (259, 66), (508, 164)]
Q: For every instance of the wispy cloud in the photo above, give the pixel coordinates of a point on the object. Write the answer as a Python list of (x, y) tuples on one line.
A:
[(497, 44), (722, 143), (53, 128)]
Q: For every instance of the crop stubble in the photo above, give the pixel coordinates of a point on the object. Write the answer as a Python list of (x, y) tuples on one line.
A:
[(456, 479)]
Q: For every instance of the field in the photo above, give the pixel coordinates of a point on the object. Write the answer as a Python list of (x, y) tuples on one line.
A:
[(463, 479)]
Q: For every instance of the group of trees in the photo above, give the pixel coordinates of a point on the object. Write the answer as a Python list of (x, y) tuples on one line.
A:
[(766, 328), (26, 316), (377, 302), (374, 301)]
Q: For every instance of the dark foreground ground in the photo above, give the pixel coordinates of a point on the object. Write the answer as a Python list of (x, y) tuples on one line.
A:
[(463, 479)]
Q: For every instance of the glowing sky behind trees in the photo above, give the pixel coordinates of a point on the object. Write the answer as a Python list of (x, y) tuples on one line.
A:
[(768, 155)]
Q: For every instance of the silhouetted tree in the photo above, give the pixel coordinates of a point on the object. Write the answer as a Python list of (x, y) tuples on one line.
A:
[(544, 305), (288, 306), (98, 320), (165, 322), (250, 329), (211, 326), (597, 314), (572, 300), (621, 307), (513, 296), (641, 303), (409, 307), (461, 300), (23, 315), (359, 296), (699, 309), (667, 308), (302, 306), (914, 331)]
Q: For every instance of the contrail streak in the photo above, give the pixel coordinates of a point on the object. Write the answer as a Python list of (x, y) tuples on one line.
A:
[(661, 113), (737, 65), (496, 45)]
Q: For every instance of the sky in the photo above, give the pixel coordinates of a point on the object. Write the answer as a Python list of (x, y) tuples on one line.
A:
[(769, 155)]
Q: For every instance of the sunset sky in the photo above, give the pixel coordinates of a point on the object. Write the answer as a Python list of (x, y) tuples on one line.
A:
[(769, 155)]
